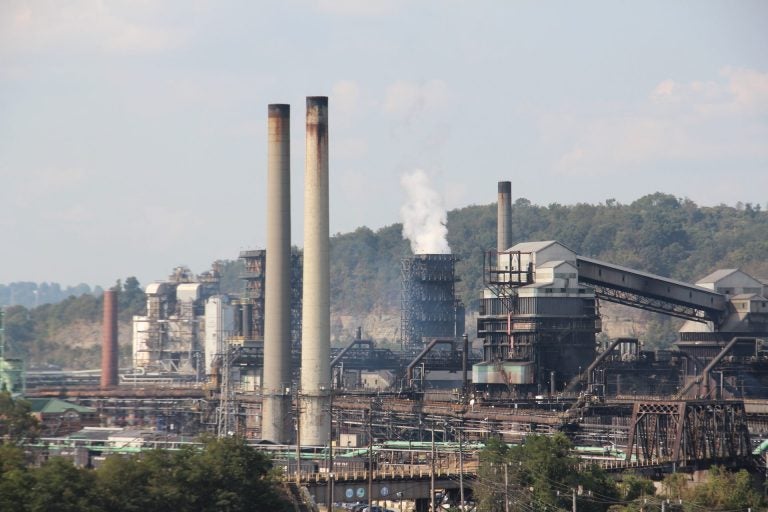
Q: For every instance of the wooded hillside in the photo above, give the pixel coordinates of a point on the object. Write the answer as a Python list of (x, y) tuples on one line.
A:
[(658, 233)]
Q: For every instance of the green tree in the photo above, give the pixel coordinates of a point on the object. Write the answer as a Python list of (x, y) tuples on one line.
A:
[(15, 481), (131, 300), (226, 475), (724, 490), (633, 487), (540, 474), (61, 487), (17, 425), (19, 331), (122, 484)]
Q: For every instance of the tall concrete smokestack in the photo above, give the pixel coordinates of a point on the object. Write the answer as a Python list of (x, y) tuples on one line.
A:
[(504, 222), (316, 309), (109, 349), (277, 300)]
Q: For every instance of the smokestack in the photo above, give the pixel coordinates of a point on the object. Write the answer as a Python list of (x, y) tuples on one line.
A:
[(109, 341), (316, 308), (277, 299), (504, 222)]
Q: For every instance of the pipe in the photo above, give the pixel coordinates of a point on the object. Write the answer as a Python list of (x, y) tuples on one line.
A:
[(277, 299), (247, 318), (316, 310), (715, 361), (504, 217), (422, 354), (704, 377), (464, 363), (356, 341), (577, 378), (239, 319), (109, 349), (599, 359)]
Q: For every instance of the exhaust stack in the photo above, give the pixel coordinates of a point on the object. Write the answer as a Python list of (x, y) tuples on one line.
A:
[(109, 350), (316, 331), (277, 308), (504, 219)]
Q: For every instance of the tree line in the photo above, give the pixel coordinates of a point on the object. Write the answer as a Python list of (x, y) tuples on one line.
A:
[(657, 233), (543, 474), (223, 475), (30, 295), (34, 334), (216, 475)]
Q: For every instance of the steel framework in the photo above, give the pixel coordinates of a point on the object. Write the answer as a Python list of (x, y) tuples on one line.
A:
[(638, 300), (503, 272), (685, 431), (253, 275), (428, 305)]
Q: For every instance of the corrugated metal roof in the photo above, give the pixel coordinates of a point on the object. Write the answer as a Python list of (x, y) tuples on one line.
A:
[(748, 296), (553, 264), (56, 406), (717, 275), (645, 274), (533, 246)]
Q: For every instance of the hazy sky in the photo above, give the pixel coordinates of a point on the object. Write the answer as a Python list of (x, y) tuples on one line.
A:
[(133, 133)]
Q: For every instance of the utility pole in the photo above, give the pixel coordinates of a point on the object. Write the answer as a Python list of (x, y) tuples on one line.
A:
[(370, 454), (298, 440), (506, 487), (432, 473), (573, 505), (461, 465), (330, 451)]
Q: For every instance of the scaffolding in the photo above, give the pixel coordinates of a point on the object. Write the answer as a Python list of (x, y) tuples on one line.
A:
[(428, 304), (226, 421), (252, 302), (12, 378), (170, 337)]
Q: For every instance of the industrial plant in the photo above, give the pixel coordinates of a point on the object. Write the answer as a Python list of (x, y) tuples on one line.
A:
[(364, 419)]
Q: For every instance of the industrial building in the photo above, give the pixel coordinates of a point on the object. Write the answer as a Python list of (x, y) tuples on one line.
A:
[(429, 306), (540, 312), (538, 324), (273, 376), (189, 325), (170, 337)]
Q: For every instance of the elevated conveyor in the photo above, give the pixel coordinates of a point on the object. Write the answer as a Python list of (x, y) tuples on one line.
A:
[(631, 287)]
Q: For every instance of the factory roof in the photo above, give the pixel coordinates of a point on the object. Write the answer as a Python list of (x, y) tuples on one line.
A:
[(536, 246), (553, 264), (56, 406), (748, 296), (647, 275), (94, 433), (717, 275)]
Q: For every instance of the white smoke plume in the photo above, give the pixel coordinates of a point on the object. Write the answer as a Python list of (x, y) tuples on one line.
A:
[(423, 215)]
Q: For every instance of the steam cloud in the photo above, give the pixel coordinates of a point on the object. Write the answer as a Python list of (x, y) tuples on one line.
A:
[(423, 215)]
